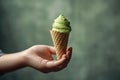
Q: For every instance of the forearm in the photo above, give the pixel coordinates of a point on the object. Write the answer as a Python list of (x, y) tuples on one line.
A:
[(11, 62)]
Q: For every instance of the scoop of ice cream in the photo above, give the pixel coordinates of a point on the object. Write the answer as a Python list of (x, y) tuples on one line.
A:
[(61, 24)]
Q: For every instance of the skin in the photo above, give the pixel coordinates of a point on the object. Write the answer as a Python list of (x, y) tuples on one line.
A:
[(38, 57)]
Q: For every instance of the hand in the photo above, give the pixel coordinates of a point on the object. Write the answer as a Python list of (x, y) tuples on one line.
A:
[(40, 58)]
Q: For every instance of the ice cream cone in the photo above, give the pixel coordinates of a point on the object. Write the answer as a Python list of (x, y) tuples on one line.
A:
[(60, 41), (60, 33)]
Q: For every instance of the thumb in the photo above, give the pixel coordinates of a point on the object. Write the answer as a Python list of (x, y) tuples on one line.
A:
[(52, 50)]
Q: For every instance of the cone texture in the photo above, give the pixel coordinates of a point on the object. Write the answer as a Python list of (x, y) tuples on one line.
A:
[(60, 41)]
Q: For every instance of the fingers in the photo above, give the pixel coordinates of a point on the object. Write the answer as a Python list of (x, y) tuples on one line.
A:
[(69, 54), (57, 65)]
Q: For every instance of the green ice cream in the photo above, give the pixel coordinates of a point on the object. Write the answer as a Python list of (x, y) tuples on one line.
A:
[(61, 24)]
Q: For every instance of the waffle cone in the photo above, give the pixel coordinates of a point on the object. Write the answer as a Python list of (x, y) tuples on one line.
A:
[(60, 41)]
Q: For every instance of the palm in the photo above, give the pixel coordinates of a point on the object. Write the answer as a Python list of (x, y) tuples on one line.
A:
[(40, 58)]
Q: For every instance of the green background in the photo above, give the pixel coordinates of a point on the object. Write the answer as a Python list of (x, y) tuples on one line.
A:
[(95, 36)]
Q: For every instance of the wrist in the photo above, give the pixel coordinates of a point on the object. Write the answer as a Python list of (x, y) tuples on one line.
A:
[(23, 58)]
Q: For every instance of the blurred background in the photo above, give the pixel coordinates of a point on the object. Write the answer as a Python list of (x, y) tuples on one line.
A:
[(95, 36)]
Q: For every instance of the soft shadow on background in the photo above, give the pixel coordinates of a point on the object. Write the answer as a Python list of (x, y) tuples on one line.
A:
[(95, 36)]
